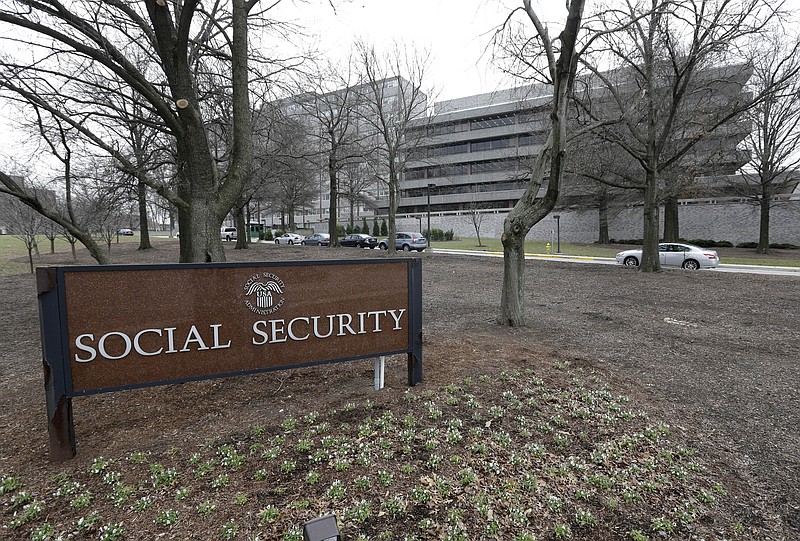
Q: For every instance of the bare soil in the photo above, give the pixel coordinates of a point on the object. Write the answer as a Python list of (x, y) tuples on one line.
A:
[(713, 354)]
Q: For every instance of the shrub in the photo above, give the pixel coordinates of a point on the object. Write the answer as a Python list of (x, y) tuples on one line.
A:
[(349, 229), (340, 230), (784, 246), (626, 241), (708, 243), (449, 235), (376, 230), (365, 227), (752, 245), (384, 228), (268, 235)]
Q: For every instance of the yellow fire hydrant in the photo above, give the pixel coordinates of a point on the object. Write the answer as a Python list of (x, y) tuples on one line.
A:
[(548, 248)]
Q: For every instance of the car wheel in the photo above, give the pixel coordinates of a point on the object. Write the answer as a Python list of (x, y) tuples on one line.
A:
[(406, 248), (359, 245), (383, 246), (302, 243), (691, 264), (631, 261), (291, 242), (228, 238), (277, 241)]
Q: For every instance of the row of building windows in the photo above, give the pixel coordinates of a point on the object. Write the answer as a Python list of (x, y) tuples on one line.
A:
[(536, 138), (482, 123), (480, 187), (475, 168)]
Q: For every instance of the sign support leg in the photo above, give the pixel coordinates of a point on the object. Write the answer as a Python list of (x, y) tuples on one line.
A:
[(380, 362)]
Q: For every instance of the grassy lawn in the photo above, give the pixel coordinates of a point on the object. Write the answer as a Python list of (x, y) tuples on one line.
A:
[(742, 256), (14, 255)]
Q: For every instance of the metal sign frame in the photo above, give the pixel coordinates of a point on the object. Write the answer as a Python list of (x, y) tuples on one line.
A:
[(58, 339)]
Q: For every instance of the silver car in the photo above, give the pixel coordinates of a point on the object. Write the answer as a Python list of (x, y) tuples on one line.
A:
[(674, 254), (406, 241), (289, 238), (317, 239)]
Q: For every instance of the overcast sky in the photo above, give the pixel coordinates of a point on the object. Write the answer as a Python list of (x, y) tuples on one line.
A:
[(456, 32)]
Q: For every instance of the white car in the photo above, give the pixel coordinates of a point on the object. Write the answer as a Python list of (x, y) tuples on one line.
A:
[(674, 254), (289, 238), (227, 233)]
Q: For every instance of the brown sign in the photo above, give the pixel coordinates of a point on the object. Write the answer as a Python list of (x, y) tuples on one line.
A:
[(125, 327)]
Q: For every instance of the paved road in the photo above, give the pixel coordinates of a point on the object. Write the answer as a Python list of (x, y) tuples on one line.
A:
[(723, 267)]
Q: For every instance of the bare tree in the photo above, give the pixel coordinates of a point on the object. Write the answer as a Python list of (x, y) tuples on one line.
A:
[(25, 224), (330, 113), (475, 215), (395, 100), (675, 81), (93, 46), (559, 71), (775, 136)]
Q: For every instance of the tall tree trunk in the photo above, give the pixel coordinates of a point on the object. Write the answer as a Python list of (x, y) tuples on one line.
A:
[(602, 217), (512, 302), (528, 211), (393, 203), (763, 227), (650, 261), (332, 218), (671, 232), (242, 230), (144, 228)]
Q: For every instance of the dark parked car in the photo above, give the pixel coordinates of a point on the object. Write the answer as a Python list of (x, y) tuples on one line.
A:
[(317, 239), (406, 241), (359, 240)]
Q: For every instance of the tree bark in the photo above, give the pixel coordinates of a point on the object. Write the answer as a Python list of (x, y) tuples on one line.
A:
[(650, 260), (602, 217), (242, 230), (144, 227), (332, 204), (763, 227), (671, 225)]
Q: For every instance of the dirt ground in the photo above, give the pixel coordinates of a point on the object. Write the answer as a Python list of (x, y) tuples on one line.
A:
[(713, 353)]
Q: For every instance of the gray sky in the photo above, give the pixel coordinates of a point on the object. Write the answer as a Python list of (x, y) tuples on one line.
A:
[(456, 32)]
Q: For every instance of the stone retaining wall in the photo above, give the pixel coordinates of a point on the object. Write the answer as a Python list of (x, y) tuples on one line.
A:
[(733, 222)]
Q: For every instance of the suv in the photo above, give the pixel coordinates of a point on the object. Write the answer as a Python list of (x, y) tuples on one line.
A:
[(227, 233), (406, 241)]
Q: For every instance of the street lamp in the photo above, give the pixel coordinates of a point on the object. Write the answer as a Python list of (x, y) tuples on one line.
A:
[(558, 232), (430, 233)]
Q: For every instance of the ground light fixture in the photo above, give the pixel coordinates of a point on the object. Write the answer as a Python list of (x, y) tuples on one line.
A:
[(323, 528)]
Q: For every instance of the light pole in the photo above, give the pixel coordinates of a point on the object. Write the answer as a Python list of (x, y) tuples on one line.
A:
[(430, 233), (558, 232)]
